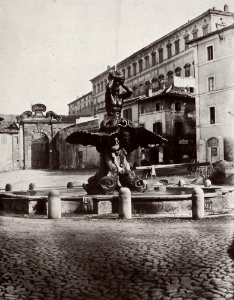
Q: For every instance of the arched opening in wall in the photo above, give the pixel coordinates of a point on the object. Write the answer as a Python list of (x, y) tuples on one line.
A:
[(154, 155), (178, 72), (40, 151), (187, 70), (160, 77), (213, 149)]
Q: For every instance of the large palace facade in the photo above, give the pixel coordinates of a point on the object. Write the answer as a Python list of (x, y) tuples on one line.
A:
[(163, 78)]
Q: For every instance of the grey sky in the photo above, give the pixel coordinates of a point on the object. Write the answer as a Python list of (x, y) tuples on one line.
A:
[(50, 49)]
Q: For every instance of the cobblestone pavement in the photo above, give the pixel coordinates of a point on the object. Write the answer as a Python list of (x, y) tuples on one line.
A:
[(107, 258)]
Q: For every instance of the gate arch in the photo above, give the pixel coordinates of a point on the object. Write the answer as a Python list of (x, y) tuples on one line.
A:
[(40, 151)]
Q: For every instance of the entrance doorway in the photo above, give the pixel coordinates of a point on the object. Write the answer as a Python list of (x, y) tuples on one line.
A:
[(213, 150), (40, 152)]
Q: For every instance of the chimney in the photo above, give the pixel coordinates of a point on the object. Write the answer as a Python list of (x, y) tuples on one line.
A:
[(226, 8), (108, 67)]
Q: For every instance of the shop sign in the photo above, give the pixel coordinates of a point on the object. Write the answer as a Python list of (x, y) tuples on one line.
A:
[(183, 142)]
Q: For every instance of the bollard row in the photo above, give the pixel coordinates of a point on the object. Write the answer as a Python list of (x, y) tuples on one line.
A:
[(125, 204), (54, 205), (198, 203)]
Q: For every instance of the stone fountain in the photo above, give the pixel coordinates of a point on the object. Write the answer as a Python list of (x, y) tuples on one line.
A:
[(117, 137)]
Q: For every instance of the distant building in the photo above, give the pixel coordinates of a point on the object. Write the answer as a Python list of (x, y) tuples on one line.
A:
[(82, 106), (9, 144), (214, 73)]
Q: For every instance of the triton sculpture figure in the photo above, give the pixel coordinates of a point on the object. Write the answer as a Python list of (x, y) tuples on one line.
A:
[(117, 138)]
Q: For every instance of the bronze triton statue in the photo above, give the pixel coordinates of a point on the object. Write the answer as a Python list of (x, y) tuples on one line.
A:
[(117, 137)]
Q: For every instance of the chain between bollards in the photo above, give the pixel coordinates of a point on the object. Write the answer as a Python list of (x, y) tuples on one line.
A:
[(54, 205), (125, 203)]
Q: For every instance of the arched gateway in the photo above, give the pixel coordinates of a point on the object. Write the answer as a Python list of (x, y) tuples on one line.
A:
[(40, 151), (38, 129)]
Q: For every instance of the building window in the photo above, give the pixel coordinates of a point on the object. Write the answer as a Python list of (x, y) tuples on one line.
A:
[(98, 85), (178, 71), (177, 106), (140, 65), (211, 83), (129, 71), (105, 82), (134, 69), (177, 46), (157, 128), (147, 62), (205, 29), (210, 54), (169, 54), (212, 114), (94, 89), (170, 76), (153, 58), (160, 77), (142, 109), (158, 106), (127, 114), (195, 34), (123, 72), (3, 140), (186, 39), (179, 129), (102, 86), (160, 55), (187, 68)]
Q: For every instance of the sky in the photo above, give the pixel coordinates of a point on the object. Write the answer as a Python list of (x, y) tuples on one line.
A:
[(50, 49)]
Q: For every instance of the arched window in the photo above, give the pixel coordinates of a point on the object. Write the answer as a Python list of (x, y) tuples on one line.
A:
[(170, 75), (154, 79), (147, 83), (160, 53), (177, 46), (186, 39), (187, 70), (178, 71), (153, 54), (134, 68), (146, 61), (140, 65), (160, 77), (169, 53), (129, 71)]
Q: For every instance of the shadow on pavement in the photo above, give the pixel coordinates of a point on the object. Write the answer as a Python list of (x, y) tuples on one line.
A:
[(231, 250)]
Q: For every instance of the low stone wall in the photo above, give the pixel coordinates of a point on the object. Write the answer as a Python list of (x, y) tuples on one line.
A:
[(141, 204)]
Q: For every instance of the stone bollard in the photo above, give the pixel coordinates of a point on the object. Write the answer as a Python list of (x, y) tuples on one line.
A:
[(207, 183), (197, 203), (8, 187), (54, 205), (31, 187), (70, 185), (125, 204), (181, 183)]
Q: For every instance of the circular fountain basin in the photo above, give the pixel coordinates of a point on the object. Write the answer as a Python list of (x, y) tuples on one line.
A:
[(172, 200)]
